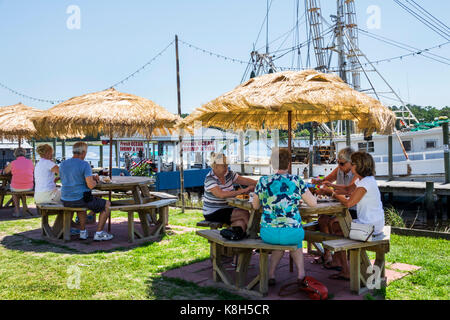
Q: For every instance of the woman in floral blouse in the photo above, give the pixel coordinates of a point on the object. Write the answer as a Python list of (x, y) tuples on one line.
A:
[(279, 195)]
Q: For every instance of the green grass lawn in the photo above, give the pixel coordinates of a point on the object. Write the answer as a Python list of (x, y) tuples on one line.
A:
[(38, 270)]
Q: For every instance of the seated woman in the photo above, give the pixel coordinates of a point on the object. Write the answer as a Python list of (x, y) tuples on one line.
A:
[(367, 198), (279, 195), (22, 176), (218, 187), (44, 176), (345, 184)]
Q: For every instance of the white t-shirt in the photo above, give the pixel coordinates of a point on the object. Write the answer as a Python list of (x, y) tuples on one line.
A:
[(370, 208), (43, 176)]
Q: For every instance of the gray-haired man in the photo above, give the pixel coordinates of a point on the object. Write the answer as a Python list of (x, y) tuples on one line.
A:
[(77, 182)]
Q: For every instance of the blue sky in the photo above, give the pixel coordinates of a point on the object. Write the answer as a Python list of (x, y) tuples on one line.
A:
[(43, 58)]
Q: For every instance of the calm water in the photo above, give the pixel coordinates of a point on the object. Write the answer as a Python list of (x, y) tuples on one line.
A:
[(255, 148)]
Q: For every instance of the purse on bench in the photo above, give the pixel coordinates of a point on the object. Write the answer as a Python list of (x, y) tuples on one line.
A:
[(361, 232)]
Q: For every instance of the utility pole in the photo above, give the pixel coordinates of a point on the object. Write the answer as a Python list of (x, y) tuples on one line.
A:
[(340, 25), (181, 130)]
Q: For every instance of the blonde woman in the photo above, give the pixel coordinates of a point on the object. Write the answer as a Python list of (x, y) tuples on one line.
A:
[(218, 187), (45, 177)]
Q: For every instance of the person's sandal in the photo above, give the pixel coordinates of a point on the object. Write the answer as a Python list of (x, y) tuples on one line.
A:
[(272, 282)]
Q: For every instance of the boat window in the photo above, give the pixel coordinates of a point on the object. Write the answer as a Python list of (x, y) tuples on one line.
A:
[(366, 146), (407, 145), (430, 144)]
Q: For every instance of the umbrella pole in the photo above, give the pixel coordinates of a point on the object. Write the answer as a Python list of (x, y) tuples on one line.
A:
[(110, 174), (290, 139)]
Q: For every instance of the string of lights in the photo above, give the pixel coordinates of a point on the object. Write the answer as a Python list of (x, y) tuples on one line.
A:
[(113, 86), (143, 67), (415, 53), (23, 95)]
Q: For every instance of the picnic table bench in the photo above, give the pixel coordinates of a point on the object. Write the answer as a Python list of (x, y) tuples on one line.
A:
[(152, 209), (360, 268), (61, 226), (244, 249)]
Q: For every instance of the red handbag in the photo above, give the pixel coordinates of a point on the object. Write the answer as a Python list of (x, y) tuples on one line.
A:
[(314, 289)]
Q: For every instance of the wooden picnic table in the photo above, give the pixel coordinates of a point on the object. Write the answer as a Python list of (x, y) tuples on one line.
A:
[(332, 208), (5, 181), (151, 207)]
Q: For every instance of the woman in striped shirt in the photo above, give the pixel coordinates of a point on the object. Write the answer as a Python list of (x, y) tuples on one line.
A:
[(218, 187)]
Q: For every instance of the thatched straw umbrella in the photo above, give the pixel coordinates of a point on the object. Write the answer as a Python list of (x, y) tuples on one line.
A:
[(110, 112), (278, 100), (15, 122)]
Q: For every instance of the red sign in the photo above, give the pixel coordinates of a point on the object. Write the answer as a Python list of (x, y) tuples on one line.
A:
[(198, 146), (131, 146)]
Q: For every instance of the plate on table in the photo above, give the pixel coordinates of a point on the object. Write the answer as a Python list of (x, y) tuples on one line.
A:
[(325, 199)]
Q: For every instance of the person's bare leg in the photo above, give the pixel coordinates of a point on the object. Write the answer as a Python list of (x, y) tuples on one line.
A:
[(82, 216), (275, 258), (324, 221), (16, 202), (103, 217), (239, 218), (297, 256), (340, 258)]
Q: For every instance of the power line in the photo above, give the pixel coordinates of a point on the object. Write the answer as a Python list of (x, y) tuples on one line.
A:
[(443, 33), (432, 17)]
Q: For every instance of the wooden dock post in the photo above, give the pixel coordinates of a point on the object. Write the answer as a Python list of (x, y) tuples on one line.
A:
[(429, 202), (100, 163), (390, 159), (347, 133), (63, 149), (33, 143), (311, 151), (242, 151), (54, 149), (446, 152)]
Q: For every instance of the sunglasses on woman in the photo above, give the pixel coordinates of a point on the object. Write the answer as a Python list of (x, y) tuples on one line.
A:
[(342, 163)]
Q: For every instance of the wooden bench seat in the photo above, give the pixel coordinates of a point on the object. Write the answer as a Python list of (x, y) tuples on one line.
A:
[(243, 249), (210, 224), (22, 198), (62, 224), (349, 244), (379, 244), (149, 205)]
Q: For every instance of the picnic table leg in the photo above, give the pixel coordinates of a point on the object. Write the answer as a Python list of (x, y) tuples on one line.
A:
[(25, 206), (263, 272), (242, 267), (46, 229), (355, 280), (2, 198), (380, 263), (67, 219), (130, 226), (345, 222)]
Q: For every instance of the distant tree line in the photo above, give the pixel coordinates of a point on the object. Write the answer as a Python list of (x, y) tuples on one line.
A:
[(428, 113)]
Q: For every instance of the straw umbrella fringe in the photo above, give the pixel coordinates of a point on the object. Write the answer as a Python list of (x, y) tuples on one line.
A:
[(109, 112), (308, 95), (15, 122)]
